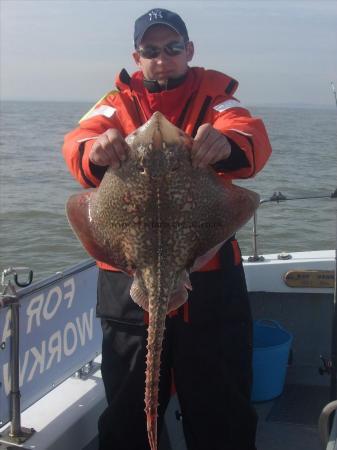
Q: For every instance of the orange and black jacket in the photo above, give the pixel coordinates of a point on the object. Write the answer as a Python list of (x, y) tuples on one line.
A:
[(204, 96)]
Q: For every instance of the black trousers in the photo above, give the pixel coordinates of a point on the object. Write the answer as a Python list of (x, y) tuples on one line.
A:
[(209, 356)]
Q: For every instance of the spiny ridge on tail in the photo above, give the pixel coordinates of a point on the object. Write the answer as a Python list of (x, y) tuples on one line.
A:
[(156, 328)]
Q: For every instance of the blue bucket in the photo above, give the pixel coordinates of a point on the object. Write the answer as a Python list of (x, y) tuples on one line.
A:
[(271, 346)]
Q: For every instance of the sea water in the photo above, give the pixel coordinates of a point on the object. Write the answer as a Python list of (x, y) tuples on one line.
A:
[(35, 184)]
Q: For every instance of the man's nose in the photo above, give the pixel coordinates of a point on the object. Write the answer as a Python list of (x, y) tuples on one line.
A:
[(162, 57)]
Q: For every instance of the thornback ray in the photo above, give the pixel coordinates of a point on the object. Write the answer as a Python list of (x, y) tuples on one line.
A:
[(157, 219)]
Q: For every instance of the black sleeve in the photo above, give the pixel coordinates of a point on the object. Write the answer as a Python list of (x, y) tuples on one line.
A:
[(97, 171), (236, 160)]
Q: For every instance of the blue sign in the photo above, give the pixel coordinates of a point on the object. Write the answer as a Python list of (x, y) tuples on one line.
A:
[(59, 333)]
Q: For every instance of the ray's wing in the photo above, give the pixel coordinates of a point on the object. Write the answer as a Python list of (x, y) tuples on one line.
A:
[(234, 207), (79, 216)]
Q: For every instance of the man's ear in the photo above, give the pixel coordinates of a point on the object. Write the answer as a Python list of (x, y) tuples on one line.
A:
[(136, 58), (189, 51)]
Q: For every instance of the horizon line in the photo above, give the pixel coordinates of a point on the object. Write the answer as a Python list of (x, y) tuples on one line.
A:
[(266, 104)]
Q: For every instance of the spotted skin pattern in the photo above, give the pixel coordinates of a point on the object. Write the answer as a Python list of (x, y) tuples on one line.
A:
[(157, 218)]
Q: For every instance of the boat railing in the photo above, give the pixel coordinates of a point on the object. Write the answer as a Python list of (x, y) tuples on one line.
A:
[(328, 433), (48, 332), (278, 197)]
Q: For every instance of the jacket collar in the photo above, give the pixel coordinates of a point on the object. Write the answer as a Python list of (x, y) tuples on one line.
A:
[(153, 86), (216, 83), (124, 81)]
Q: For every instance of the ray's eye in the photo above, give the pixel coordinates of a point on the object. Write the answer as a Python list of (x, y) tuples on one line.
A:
[(140, 168)]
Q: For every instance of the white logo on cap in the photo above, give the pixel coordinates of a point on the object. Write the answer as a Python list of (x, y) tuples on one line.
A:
[(155, 14)]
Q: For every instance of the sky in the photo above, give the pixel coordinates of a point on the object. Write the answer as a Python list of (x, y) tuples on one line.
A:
[(281, 52)]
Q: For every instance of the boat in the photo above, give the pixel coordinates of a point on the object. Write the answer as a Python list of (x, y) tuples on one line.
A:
[(51, 390)]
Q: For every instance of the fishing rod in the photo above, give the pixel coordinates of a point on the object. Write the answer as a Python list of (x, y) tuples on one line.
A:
[(333, 372), (279, 197)]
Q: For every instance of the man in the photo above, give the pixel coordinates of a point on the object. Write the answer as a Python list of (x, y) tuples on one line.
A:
[(207, 347)]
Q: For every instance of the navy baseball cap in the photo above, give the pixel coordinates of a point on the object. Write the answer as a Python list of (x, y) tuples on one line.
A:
[(159, 16)]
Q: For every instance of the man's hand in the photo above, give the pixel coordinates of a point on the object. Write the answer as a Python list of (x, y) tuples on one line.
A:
[(209, 146), (110, 149)]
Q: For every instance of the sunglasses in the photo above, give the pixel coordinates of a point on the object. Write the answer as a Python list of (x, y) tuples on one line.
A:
[(170, 49)]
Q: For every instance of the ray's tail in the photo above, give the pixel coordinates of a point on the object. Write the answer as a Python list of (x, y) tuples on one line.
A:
[(157, 314)]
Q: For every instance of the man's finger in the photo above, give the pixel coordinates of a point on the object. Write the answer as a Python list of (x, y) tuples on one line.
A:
[(119, 144), (199, 155), (206, 150), (213, 153), (101, 142), (98, 154), (201, 136), (118, 150), (99, 157)]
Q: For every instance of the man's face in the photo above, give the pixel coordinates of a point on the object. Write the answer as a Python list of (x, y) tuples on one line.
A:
[(163, 66)]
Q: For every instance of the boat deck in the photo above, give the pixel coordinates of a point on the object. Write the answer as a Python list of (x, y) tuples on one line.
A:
[(285, 436), (291, 421), (66, 416)]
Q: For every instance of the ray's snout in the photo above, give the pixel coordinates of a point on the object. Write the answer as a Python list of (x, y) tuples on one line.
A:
[(163, 131), (159, 132)]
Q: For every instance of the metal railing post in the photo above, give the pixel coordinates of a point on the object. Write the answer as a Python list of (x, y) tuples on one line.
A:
[(15, 387), (8, 298), (255, 256)]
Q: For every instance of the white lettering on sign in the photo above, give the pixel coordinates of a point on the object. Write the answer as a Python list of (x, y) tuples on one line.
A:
[(52, 303), (39, 358), (69, 339), (70, 294), (22, 370), (54, 348), (61, 344), (34, 310), (85, 327), (46, 305)]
